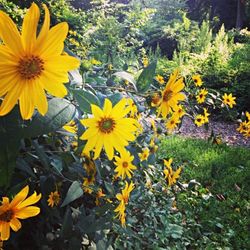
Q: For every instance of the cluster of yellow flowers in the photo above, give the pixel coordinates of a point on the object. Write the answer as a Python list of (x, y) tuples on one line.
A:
[(202, 119), (171, 175), (244, 127), (123, 197)]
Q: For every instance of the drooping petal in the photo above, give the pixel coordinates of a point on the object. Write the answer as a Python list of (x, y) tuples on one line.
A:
[(10, 34), (15, 224), (29, 27), (5, 233)]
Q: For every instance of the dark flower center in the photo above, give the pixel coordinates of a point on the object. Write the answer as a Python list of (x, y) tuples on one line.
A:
[(106, 125), (167, 95), (6, 216), (30, 67), (125, 164)]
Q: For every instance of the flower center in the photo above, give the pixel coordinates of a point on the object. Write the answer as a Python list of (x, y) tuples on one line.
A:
[(30, 67), (7, 216), (201, 96), (125, 164), (167, 95), (106, 125), (195, 80)]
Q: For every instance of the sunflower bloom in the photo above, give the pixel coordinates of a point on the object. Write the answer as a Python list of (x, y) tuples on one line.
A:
[(171, 95), (170, 175), (144, 154), (197, 80), (31, 64), (160, 79), (179, 111), (229, 100), (19, 208), (201, 96), (124, 165), (172, 123), (109, 128), (199, 120), (54, 199)]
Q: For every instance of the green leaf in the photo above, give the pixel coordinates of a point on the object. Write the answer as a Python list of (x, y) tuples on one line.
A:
[(146, 77), (126, 76), (85, 99), (75, 191), (115, 98)]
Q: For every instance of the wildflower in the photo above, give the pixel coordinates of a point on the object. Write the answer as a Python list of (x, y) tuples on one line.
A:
[(124, 164), (243, 127), (95, 62), (153, 146), (201, 96), (199, 120), (160, 79), (172, 122), (19, 208), (133, 108), (144, 154), (145, 62), (124, 196), (54, 199), (120, 210), (171, 175), (108, 128), (153, 126), (71, 127), (88, 181), (98, 196), (31, 63), (171, 95), (155, 99), (179, 111), (229, 100), (197, 80), (247, 115)]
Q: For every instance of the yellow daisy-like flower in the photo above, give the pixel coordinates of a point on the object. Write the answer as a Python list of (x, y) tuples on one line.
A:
[(31, 63), (144, 154), (71, 127), (88, 181), (179, 111), (201, 96), (95, 62), (248, 115), (54, 199), (243, 127), (89, 165), (124, 164), (160, 79), (155, 99), (124, 196), (171, 95), (171, 175), (109, 128), (19, 208), (99, 195), (172, 122), (229, 100), (199, 120), (197, 80)]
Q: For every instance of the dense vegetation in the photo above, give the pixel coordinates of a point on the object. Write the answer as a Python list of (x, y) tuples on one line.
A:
[(99, 153)]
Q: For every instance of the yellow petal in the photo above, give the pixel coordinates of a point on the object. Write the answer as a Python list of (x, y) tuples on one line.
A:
[(21, 196), (62, 63), (40, 99), (10, 34), (34, 198), (108, 146), (15, 224), (5, 233), (29, 27), (27, 212), (53, 44), (107, 107)]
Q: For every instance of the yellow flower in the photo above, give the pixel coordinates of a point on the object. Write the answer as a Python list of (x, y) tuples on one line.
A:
[(124, 196), (160, 79), (133, 108), (201, 96), (98, 196), (155, 99), (247, 133), (172, 122), (71, 127), (95, 62), (197, 80), (179, 111), (120, 210), (171, 95), (144, 154), (19, 208), (206, 115), (171, 175), (88, 181), (229, 100), (248, 115), (54, 199), (199, 120), (31, 63), (109, 128), (145, 62), (243, 127), (124, 164)]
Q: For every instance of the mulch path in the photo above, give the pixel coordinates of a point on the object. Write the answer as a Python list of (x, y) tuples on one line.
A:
[(227, 132)]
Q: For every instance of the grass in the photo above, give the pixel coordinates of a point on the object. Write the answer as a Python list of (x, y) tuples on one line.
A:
[(222, 170)]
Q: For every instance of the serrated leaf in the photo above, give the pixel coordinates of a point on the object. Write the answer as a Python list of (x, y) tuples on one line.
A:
[(84, 99), (75, 191), (146, 77)]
